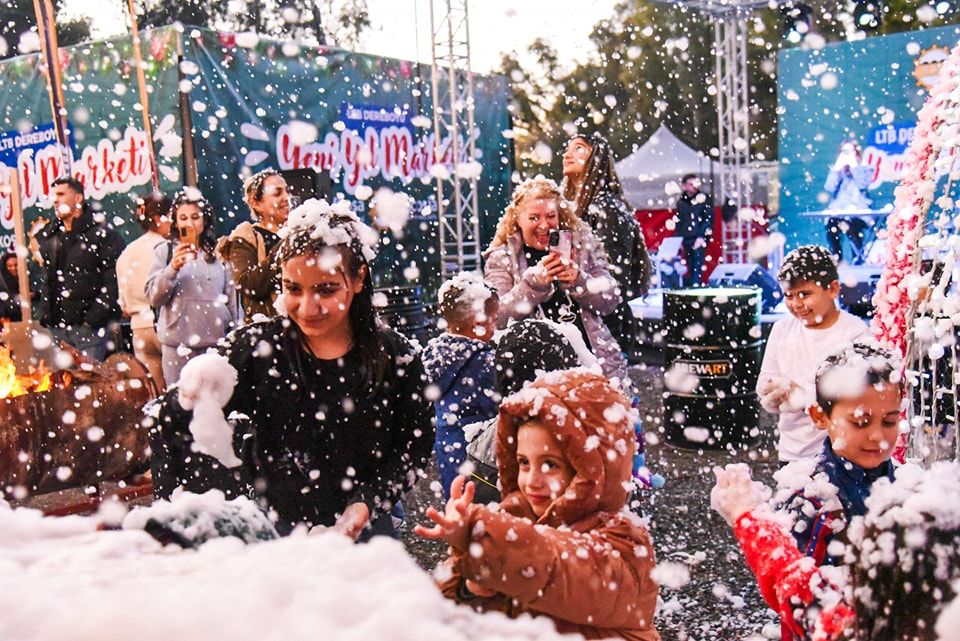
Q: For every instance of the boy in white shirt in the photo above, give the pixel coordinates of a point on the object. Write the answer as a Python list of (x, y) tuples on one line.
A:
[(797, 345)]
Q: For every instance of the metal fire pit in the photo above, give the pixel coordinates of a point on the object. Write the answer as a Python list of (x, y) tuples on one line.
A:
[(78, 435)]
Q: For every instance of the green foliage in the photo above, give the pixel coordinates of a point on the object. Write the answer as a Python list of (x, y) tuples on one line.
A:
[(334, 22), (655, 64), (17, 17)]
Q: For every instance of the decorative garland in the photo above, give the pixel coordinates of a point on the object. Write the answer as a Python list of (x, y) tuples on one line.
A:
[(893, 303)]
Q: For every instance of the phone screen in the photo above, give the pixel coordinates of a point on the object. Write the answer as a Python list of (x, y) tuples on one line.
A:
[(554, 235)]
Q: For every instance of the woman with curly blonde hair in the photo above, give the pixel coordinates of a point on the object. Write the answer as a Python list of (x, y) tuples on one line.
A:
[(531, 189), (537, 280)]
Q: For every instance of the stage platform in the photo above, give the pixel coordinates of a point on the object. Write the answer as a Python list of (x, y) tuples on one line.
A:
[(650, 307)]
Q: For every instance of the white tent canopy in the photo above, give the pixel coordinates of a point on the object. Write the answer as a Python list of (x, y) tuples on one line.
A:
[(663, 159)]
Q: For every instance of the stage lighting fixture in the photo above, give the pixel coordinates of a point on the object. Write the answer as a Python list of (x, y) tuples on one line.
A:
[(797, 20), (867, 14)]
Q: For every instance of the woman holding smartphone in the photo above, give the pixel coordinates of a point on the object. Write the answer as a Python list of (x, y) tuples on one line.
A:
[(546, 263), (189, 287)]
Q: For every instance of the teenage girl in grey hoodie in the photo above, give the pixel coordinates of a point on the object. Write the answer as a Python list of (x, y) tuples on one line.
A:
[(191, 288)]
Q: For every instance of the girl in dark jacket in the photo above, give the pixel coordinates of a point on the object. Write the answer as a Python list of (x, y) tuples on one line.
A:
[(329, 414), (590, 181)]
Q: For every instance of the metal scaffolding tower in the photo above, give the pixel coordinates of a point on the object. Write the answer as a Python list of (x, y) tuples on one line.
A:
[(734, 183), (454, 140), (733, 116)]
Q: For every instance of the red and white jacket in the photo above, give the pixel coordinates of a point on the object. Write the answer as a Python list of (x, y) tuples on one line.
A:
[(809, 603)]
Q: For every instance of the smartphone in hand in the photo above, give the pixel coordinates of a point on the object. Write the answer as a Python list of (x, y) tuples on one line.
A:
[(189, 236), (561, 242)]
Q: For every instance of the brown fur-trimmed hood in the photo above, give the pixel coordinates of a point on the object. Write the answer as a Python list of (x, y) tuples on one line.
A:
[(592, 423)]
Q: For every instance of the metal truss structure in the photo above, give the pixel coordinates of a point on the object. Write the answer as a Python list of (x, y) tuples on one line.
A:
[(454, 141), (733, 117), (734, 184)]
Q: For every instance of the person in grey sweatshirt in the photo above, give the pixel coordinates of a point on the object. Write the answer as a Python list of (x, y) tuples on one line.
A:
[(191, 289)]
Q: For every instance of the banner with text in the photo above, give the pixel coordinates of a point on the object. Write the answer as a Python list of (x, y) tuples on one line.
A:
[(108, 147), (257, 103), (868, 91)]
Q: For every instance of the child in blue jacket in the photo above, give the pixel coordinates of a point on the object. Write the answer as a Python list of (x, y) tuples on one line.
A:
[(858, 392), (460, 368)]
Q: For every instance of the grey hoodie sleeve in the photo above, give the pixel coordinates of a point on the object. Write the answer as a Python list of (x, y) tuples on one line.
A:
[(162, 277), (594, 288)]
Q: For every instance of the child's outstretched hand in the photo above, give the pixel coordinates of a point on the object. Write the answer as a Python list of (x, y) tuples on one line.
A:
[(736, 493), (451, 526), (774, 391), (354, 518)]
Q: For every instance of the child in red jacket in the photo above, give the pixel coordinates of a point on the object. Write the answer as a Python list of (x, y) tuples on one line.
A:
[(901, 567), (858, 394)]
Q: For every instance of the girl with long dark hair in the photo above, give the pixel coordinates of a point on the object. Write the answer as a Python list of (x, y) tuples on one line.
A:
[(329, 413), (590, 182), (190, 287)]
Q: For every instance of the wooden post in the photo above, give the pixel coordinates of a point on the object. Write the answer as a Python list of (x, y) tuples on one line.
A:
[(142, 86), (191, 176), (47, 30), (23, 277)]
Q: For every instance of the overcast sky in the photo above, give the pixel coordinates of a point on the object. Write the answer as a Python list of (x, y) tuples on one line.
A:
[(495, 26)]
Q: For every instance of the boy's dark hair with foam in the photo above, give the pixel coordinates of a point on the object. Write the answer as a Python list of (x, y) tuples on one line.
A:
[(527, 347), (872, 363), (458, 298), (810, 263)]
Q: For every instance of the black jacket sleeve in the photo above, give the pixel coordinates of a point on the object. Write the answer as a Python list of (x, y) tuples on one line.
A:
[(173, 462), (413, 432), (105, 304)]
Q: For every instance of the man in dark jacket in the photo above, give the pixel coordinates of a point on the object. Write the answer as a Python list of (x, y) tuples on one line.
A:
[(79, 291), (695, 226)]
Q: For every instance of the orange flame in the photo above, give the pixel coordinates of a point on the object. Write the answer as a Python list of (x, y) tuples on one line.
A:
[(12, 385)]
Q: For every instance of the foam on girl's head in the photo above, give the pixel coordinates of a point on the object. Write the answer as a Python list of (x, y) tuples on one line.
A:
[(329, 225), (810, 263), (465, 296), (847, 372)]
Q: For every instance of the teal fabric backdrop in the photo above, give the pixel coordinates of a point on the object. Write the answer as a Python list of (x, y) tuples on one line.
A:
[(254, 103), (101, 99), (870, 90)]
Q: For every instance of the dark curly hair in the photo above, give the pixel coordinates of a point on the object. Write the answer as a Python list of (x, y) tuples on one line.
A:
[(810, 263), (208, 237)]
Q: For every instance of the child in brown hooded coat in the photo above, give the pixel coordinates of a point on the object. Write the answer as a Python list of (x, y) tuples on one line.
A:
[(560, 543)]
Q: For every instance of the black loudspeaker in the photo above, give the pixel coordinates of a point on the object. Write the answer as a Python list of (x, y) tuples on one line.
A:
[(727, 274), (307, 183), (857, 285)]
